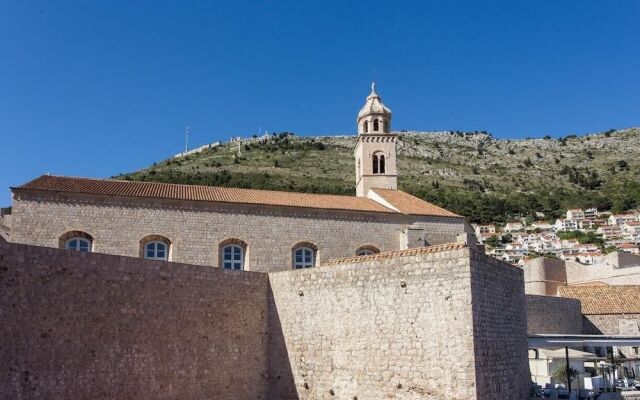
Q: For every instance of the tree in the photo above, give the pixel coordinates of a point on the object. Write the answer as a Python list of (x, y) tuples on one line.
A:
[(493, 241), (560, 373)]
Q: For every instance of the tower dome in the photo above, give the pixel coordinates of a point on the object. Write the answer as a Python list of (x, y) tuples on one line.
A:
[(374, 116)]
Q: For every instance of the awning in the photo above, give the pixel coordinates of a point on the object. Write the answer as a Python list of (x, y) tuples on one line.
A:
[(559, 341)]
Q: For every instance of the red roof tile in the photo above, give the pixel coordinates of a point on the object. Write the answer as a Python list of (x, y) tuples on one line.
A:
[(621, 299), (404, 202), (408, 204)]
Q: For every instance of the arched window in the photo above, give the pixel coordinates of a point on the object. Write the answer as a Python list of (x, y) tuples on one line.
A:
[(376, 126), (155, 247), (366, 126), (367, 250), (77, 241), (304, 255), (378, 163), (232, 254)]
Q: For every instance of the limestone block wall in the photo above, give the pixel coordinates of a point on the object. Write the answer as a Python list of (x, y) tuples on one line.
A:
[(607, 272), (196, 229), (415, 327), (551, 315), (499, 329), (542, 276), (612, 324), (95, 326)]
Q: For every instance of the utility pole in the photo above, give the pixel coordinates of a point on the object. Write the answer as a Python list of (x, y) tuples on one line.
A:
[(186, 140)]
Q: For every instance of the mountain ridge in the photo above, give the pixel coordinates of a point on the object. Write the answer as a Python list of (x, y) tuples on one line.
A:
[(470, 173)]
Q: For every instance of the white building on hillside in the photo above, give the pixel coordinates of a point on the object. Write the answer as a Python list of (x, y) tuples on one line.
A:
[(591, 213), (575, 213), (565, 225), (631, 231), (513, 227), (620, 219)]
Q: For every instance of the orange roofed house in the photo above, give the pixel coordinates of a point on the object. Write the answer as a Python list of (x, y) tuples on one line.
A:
[(246, 229)]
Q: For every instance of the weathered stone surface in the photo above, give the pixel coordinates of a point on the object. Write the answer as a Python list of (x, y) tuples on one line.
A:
[(435, 326), (550, 315), (195, 229), (442, 325), (499, 329), (94, 326)]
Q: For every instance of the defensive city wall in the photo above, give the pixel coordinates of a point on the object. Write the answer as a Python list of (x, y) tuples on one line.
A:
[(440, 322)]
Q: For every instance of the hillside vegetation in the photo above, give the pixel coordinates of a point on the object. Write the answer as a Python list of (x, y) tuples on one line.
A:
[(470, 173)]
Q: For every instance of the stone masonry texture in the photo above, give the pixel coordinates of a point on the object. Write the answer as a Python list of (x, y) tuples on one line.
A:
[(195, 229), (443, 325), (553, 315), (94, 326), (499, 329), (419, 327)]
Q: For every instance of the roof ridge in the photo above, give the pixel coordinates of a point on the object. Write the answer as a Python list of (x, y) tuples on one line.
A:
[(219, 194), (173, 184)]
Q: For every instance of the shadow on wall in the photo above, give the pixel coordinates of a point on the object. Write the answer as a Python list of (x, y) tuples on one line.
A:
[(589, 328), (281, 380)]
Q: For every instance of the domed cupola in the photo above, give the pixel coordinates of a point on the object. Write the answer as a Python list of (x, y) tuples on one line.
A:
[(374, 117)]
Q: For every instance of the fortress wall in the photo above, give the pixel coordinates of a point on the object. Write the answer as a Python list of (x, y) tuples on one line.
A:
[(550, 315), (542, 276), (196, 229), (606, 272), (401, 328), (94, 326), (499, 329)]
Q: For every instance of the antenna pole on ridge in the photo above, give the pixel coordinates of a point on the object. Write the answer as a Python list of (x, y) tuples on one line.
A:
[(186, 140)]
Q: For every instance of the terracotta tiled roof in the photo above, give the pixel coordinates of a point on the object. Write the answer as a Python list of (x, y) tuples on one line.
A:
[(201, 193), (408, 204), (605, 299), (403, 202), (592, 283), (399, 253)]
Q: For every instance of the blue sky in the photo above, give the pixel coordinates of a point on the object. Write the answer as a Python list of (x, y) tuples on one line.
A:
[(95, 88)]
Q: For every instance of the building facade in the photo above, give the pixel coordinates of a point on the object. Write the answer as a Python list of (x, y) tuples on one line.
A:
[(244, 229)]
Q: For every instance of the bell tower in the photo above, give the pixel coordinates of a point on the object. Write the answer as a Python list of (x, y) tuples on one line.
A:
[(375, 150)]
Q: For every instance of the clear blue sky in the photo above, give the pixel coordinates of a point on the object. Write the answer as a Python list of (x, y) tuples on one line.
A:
[(95, 88)]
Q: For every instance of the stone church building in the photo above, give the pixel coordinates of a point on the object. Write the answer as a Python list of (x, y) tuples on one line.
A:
[(255, 230)]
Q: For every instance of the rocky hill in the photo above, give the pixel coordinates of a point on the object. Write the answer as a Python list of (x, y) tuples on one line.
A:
[(470, 173)]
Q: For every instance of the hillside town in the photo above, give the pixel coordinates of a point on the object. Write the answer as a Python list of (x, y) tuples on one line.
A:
[(583, 235)]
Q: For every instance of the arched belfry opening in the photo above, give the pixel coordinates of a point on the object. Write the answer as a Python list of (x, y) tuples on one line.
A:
[(376, 143), (378, 162)]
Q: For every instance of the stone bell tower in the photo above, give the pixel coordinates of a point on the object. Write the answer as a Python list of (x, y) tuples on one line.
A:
[(375, 150)]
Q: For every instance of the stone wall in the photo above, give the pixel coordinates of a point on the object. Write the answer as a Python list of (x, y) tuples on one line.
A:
[(542, 276), (416, 324), (413, 327), (196, 229), (612, 324), (615, 269), (553, 315), (94, 326), (499, 329)]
